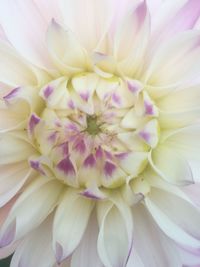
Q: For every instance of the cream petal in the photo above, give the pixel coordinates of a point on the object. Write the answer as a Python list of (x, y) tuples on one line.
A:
[(18, 104), (156, 181), (184, 99), (26, 34), (86, 253), (193, 192), (24, 216), (59, 43), (174, 64), (70, 222), (135, 260), (134, 163), (151, 244), (169, 213), (48, 9), (12, 178), (14, 70), (171, 18), (91, 31), (149, 133), (14, 149), (129, 47), (35, 249), (185, 141), (171, 165), (115, 235), (174, 120)]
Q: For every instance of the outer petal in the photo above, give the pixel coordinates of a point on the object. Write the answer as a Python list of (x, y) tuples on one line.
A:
[(49, 9), (169, 212), (25, 28), (24, 216), (70, 223), (86, 253), (176, 63), (115, 236), (129, 47), (12, 178), (89, 20), (185, 143), (59, 43), (14, 149), (171, 165), (175, 17), (35, 249), (152, 246), (14, 71)]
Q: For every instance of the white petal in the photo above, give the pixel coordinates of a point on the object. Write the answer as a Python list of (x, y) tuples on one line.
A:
[(12, 178), (171, 18), (172, 215), (183, 99), (89, 19), (14, 149), (130, 45), (36, 249), (14, 71), (171, 165), (48, 9), (134, 163), (30, 209), (60, 42), (70, 223), (115, 236), (171, 120), (25, 28), (86, 253), (175, 63), (153, 247)]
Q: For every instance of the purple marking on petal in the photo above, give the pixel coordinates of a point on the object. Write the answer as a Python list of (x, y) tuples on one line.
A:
[(66, 166), (59, 253), (116, 98), (9, 235), (48, 91), (33, 121), (109, 168), (80, 147), (99, 153), (148, 109), (121, 156), (71, 104), (35, 164), (108, 155), (52, 137), (141, 12), (90, 194), (64, 149), (84, 96), (145, 135), (90, 161), (12, 94), (132, 87), (72, 127)]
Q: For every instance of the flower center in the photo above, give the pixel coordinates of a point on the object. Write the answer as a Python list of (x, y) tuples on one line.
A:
[(93, 127), (94, 132)]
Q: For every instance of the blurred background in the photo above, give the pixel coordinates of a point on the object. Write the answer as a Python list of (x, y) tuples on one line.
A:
[(5, 262)]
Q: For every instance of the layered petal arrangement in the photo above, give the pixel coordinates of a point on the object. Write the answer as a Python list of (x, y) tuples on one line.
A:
[(100, 133)]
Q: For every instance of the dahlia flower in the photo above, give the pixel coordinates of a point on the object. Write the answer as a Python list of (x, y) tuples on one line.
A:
[(99, 133)]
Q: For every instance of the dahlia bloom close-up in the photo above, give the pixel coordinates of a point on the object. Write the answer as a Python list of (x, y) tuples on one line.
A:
[(100, 133)]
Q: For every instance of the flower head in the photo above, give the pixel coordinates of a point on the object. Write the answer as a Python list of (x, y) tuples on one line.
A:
[(99, 133)]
